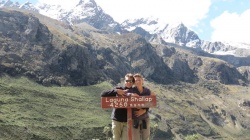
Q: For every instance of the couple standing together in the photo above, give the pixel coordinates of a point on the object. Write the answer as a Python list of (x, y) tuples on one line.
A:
[(141, 125)]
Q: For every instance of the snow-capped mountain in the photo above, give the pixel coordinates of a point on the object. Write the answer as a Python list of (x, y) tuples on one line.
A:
[(8, 3), (226, 48), (176, 33), (155, 31), (151, 28), (151, 25), (28, 6), (84, 11)]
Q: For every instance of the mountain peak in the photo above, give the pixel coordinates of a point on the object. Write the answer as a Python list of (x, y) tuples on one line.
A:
[(28, 6), (8, 3)]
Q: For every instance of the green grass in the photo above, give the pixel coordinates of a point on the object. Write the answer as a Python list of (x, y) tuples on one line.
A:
[(26, 104), (32, 111)]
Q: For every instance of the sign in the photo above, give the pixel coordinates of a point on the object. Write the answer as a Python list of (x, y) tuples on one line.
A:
[(129, 102)]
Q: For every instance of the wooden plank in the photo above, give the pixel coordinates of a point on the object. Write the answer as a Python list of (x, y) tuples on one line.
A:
[(128, 102)]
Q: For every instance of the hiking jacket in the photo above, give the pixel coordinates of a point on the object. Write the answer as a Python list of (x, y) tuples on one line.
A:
[(118, 114)]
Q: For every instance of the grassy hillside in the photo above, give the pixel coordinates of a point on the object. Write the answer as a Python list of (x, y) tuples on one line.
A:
[(206, 110), (29, 110), (184, 111)]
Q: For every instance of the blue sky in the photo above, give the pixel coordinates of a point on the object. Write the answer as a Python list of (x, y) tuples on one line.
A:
[(212, 20)]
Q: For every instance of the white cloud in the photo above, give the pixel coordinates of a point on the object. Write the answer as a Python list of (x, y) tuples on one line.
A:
[(187, 11), (231, 27), (64, 3)]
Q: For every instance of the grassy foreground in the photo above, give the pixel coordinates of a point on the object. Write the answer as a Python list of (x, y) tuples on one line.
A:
[(31, 111)]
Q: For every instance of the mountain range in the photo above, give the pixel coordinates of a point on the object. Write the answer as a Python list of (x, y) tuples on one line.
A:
[(150, 28), (154, 39)]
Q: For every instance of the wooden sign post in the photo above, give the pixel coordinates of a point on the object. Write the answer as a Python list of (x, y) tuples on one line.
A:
[(129, 103)]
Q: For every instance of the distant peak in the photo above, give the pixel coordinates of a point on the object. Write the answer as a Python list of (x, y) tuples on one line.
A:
[(27, 3)]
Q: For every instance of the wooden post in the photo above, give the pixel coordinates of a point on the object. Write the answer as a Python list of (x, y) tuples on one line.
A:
[(129, 103), (129, 123)]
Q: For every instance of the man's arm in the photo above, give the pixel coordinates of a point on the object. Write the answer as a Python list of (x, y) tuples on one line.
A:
[(141, 111), (109, 93), (115, 91)]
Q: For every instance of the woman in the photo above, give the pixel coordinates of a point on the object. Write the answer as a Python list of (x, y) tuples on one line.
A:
[(140, 117)]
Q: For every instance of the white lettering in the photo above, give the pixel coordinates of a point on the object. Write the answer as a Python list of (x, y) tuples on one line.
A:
[(107, 100), (141, 99)]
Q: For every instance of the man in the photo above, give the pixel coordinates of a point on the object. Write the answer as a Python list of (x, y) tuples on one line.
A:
[(119, 115)]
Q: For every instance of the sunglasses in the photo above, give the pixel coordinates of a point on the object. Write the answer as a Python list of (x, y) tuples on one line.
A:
[(128, 81)]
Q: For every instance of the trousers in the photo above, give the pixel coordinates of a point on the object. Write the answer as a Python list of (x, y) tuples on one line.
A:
[(142, 133), (119, 130)]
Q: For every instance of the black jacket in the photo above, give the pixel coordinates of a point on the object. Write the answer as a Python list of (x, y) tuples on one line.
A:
[(118, 114)]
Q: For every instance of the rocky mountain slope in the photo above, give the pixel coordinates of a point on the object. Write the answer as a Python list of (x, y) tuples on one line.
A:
[(57, 53)]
